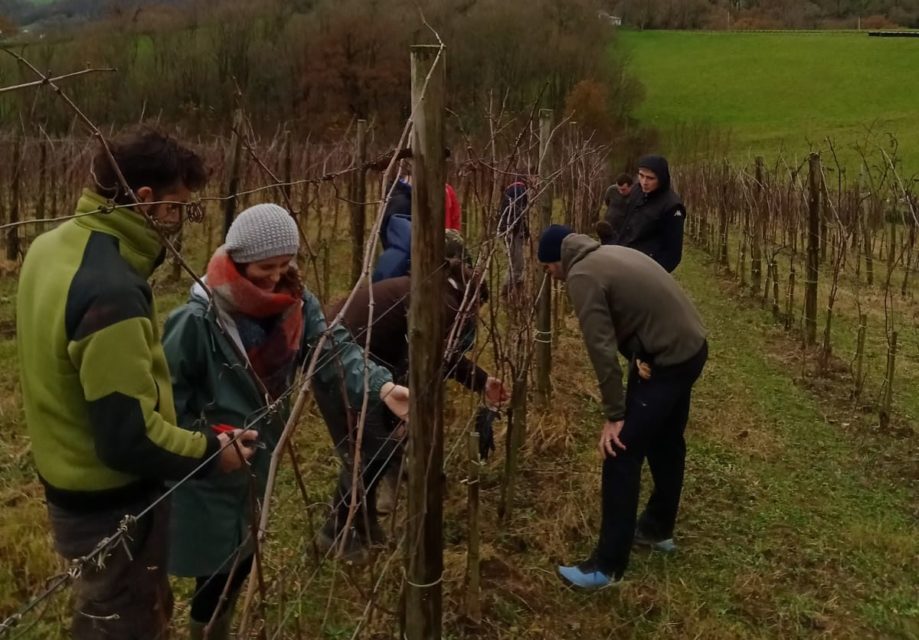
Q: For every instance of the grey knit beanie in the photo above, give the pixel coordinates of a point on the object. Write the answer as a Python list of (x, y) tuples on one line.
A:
[(261, 232)]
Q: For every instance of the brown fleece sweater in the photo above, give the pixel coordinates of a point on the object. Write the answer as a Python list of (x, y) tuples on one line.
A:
[(389, 337)]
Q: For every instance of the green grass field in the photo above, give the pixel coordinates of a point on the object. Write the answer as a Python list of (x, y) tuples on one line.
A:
[(779, 91)]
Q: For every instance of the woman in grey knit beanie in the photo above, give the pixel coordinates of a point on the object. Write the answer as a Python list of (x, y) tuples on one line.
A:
[(265, 239), (233, 356)]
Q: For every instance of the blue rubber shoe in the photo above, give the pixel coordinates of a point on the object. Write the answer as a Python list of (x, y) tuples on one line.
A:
[(587, 575), (665, 545)]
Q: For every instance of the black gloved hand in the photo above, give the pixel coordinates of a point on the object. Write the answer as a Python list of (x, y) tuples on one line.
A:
[(484, 426)]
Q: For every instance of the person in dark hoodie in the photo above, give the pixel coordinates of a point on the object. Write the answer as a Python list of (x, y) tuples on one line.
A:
[(626, 302), (615, 200), (381, 441), (654, 215)]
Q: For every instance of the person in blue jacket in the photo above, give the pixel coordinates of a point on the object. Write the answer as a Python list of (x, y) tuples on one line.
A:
[(396, 233)]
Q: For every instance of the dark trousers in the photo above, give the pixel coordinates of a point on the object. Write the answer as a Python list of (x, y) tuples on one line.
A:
[(656, 414), (127, 596), (380, 449), (209, 589)]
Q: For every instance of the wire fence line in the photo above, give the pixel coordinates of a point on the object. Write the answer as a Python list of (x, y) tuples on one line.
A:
[(865, 218), (472, 171)]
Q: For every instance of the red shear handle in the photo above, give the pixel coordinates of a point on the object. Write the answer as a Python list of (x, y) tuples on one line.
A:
[(222, 428)]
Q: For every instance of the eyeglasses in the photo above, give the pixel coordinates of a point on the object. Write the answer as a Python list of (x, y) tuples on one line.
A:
[(190, 211)]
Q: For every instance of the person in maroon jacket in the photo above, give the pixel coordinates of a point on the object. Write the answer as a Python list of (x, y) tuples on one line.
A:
[(381, 441)]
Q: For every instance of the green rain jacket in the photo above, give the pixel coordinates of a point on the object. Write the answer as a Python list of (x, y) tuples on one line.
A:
[(211, 517)]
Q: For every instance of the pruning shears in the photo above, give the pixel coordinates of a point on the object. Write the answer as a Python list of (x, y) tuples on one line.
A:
[(484, 426), (225, 428)]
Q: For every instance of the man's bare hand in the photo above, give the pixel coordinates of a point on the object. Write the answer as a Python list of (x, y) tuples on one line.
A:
[(496, 394), (396, 398), (236, 448), (609, 438), (644, 369)]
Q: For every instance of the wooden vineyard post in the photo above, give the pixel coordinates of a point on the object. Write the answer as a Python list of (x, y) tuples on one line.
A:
[(910, 251), (288, 169), (175, 273), (358, 204), (473, 577), (723, 219), (756, 251), (790, 297), (891, 246), (54, 186), (742, 254), (41, 208), (12, 234), (229, 207), (864, 216), (208, 226), (544, 282), (326, 248), (887, 400), (559, 298), (815, 186), (776, 313), (422, 619), (516, 437), (766, 284), (860, 354)]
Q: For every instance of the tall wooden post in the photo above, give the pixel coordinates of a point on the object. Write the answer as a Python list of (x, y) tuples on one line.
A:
[(473, 604), (516, 437), (724, 218), (41, 208), (815, 186), (892, 245), (756, 253), (358, 198), (424, 523), (887, 397), (229, 207), (12, 234), (544, 304), (860, 354), (288, 168)]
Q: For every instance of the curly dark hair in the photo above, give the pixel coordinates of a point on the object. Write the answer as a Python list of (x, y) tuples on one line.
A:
[(147, 158)]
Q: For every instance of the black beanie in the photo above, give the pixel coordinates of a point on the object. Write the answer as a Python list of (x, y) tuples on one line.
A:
[(550, 243)]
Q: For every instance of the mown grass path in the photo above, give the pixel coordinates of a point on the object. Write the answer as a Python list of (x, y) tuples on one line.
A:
[(788, 528)]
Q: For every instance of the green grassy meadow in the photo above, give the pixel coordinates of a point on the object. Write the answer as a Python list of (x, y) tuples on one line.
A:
[(774, 92)]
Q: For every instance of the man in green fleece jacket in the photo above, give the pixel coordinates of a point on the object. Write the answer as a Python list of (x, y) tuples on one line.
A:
[(96, 386), (629, 304)]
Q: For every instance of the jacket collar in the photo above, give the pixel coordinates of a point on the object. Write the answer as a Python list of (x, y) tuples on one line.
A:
[(575, 247), (139, 244)]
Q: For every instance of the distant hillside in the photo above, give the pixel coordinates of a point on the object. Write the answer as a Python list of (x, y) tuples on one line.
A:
[(36, 13)]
